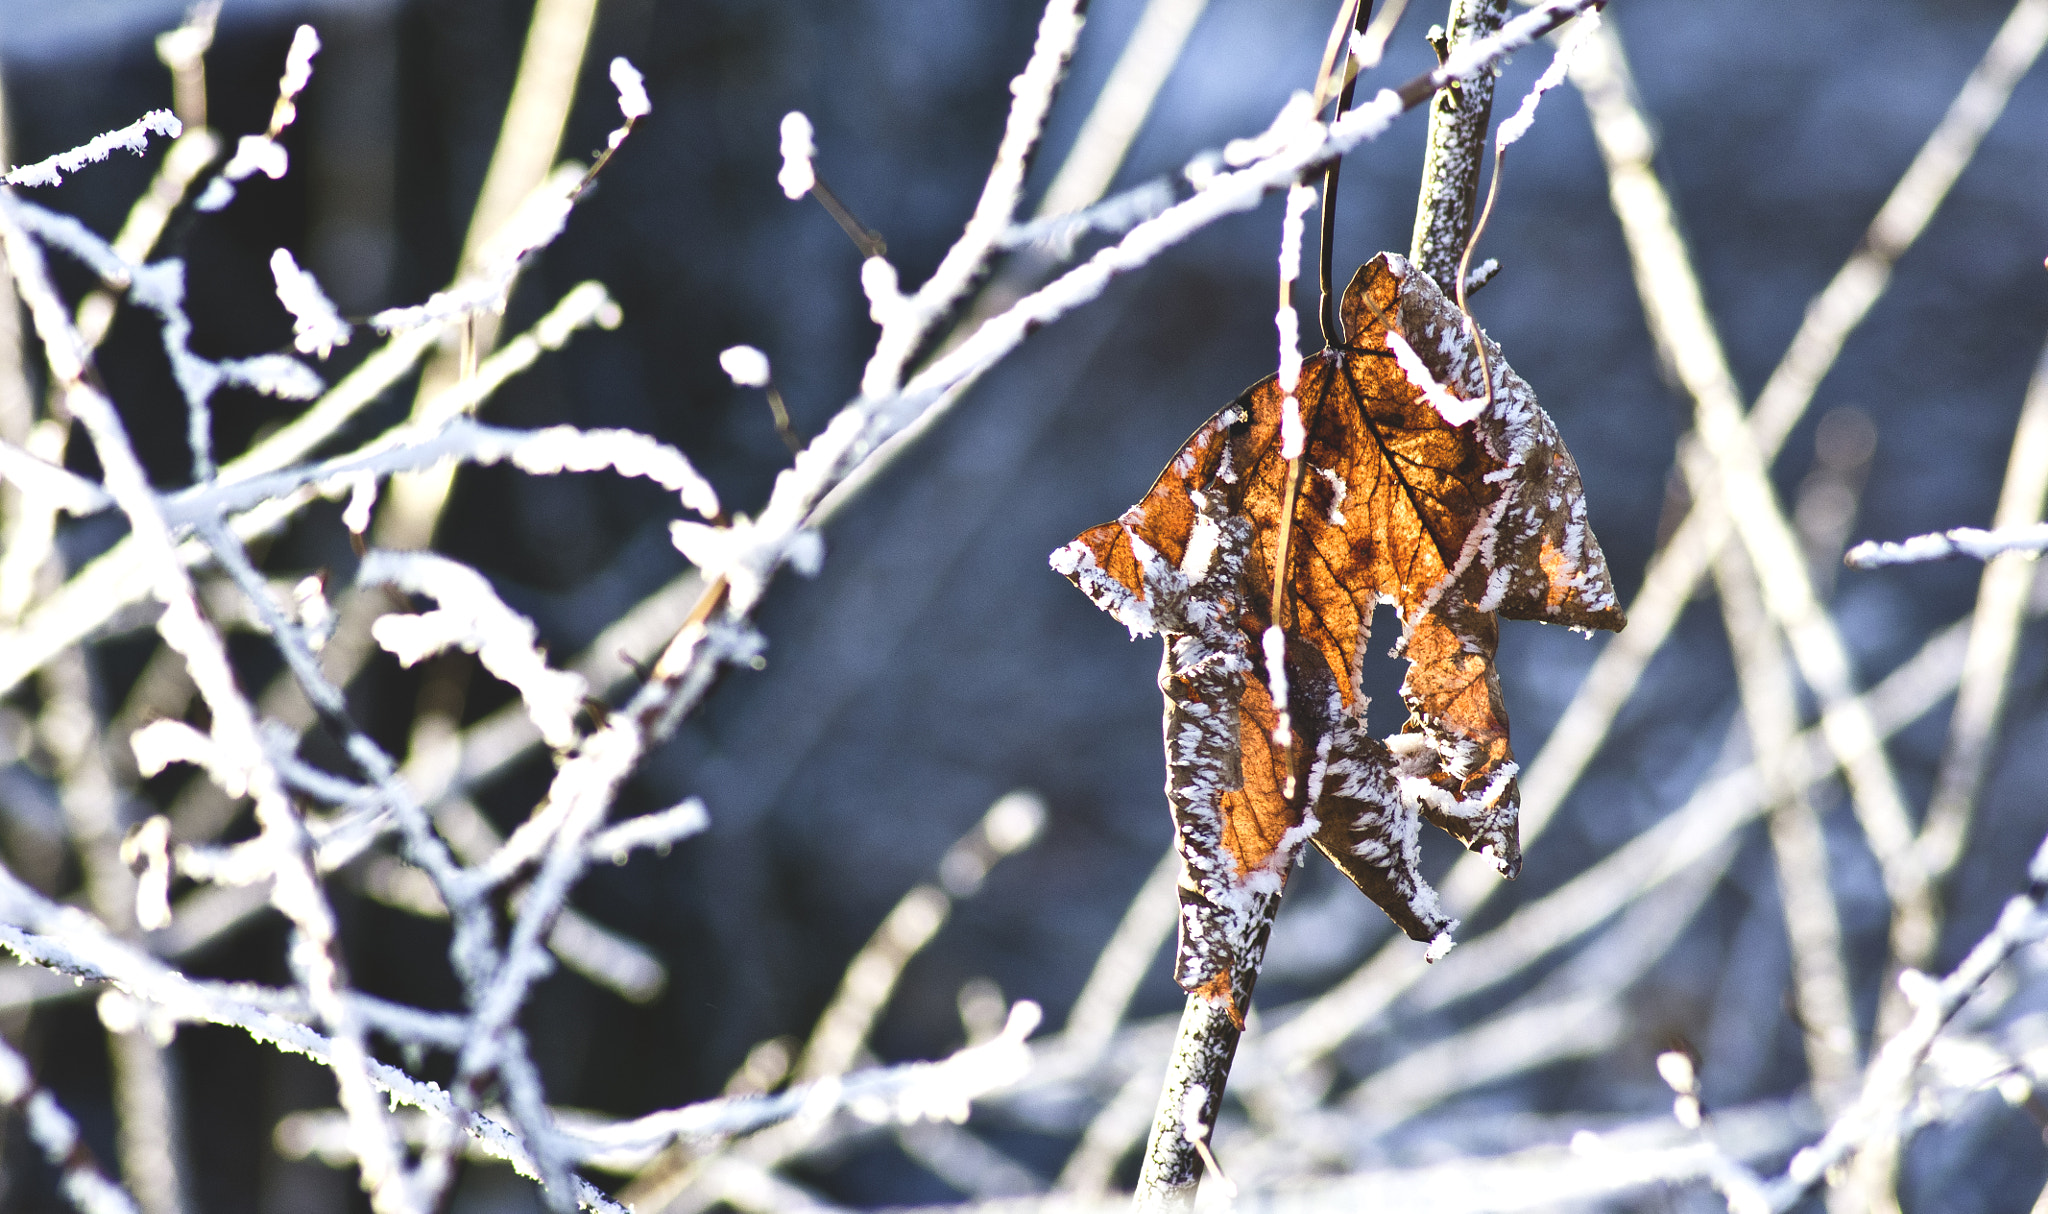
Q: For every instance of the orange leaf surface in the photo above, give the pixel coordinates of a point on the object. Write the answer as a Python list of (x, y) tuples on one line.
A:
[(1415, 491)]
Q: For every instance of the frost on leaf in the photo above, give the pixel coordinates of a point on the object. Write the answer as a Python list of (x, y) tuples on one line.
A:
[(1452, 524)]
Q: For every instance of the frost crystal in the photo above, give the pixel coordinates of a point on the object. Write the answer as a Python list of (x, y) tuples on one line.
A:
[(632, 90), (1454, 411), (747, 366), (316, 326), (796, 177)]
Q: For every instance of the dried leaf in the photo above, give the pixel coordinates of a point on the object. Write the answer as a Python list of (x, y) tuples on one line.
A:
[(1416, 492)]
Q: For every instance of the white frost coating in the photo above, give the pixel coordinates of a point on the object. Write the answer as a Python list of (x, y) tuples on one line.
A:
[(1337, 491), (659, 831), (298, 65), (1942, 545), (472, 616), (1440, 944), (1455, 412), (1289, 326), (1199, 556), (533, 225), (1275, 642), (316, 326), (885, 298), (547, 451), (746, 366), (159, 744), (797, 177), (1125, 606), (1519, 122), (131, 138), (278, 375), (1293, 435), (632, 88), (149, 846), (253, 154), (315, 614), (1299, 199), (737, 552), (1293, 128), (1192, 1098), (362, 498)]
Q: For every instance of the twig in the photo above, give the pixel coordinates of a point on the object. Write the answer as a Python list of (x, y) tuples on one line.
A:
[(2028, 538), (1820, 988), (842, 1030), (1729, 461), (1994, 639), (1888, 1082)]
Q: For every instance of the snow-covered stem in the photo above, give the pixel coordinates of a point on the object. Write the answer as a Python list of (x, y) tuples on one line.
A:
[(471, 951), (906, 1093), (550, 450), (131, 138), (1189, 1100), (1879, 1109), (112, 581), (907, 322), (2028, 538), (471, 616), (44, 933)]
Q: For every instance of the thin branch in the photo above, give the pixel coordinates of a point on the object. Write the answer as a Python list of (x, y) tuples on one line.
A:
[(1994, 639), (1728, 461)]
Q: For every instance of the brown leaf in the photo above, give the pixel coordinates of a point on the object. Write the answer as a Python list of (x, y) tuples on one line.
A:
[(1401, 501)]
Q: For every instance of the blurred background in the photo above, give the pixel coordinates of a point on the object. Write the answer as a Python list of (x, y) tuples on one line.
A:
[(936, 664)]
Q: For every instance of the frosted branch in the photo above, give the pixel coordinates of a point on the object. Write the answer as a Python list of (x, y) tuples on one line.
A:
[(263, 153), (901, 1095), (69, 941), (472, 617), (658, 831), (316, 327), (2031, 539), (131, 138), (1518, 123), (1888, 1081)]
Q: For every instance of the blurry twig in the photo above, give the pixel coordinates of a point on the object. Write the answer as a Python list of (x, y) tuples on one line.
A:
[(1994, 636), (1728, 461), (1820, 989), (1889, 1080)]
